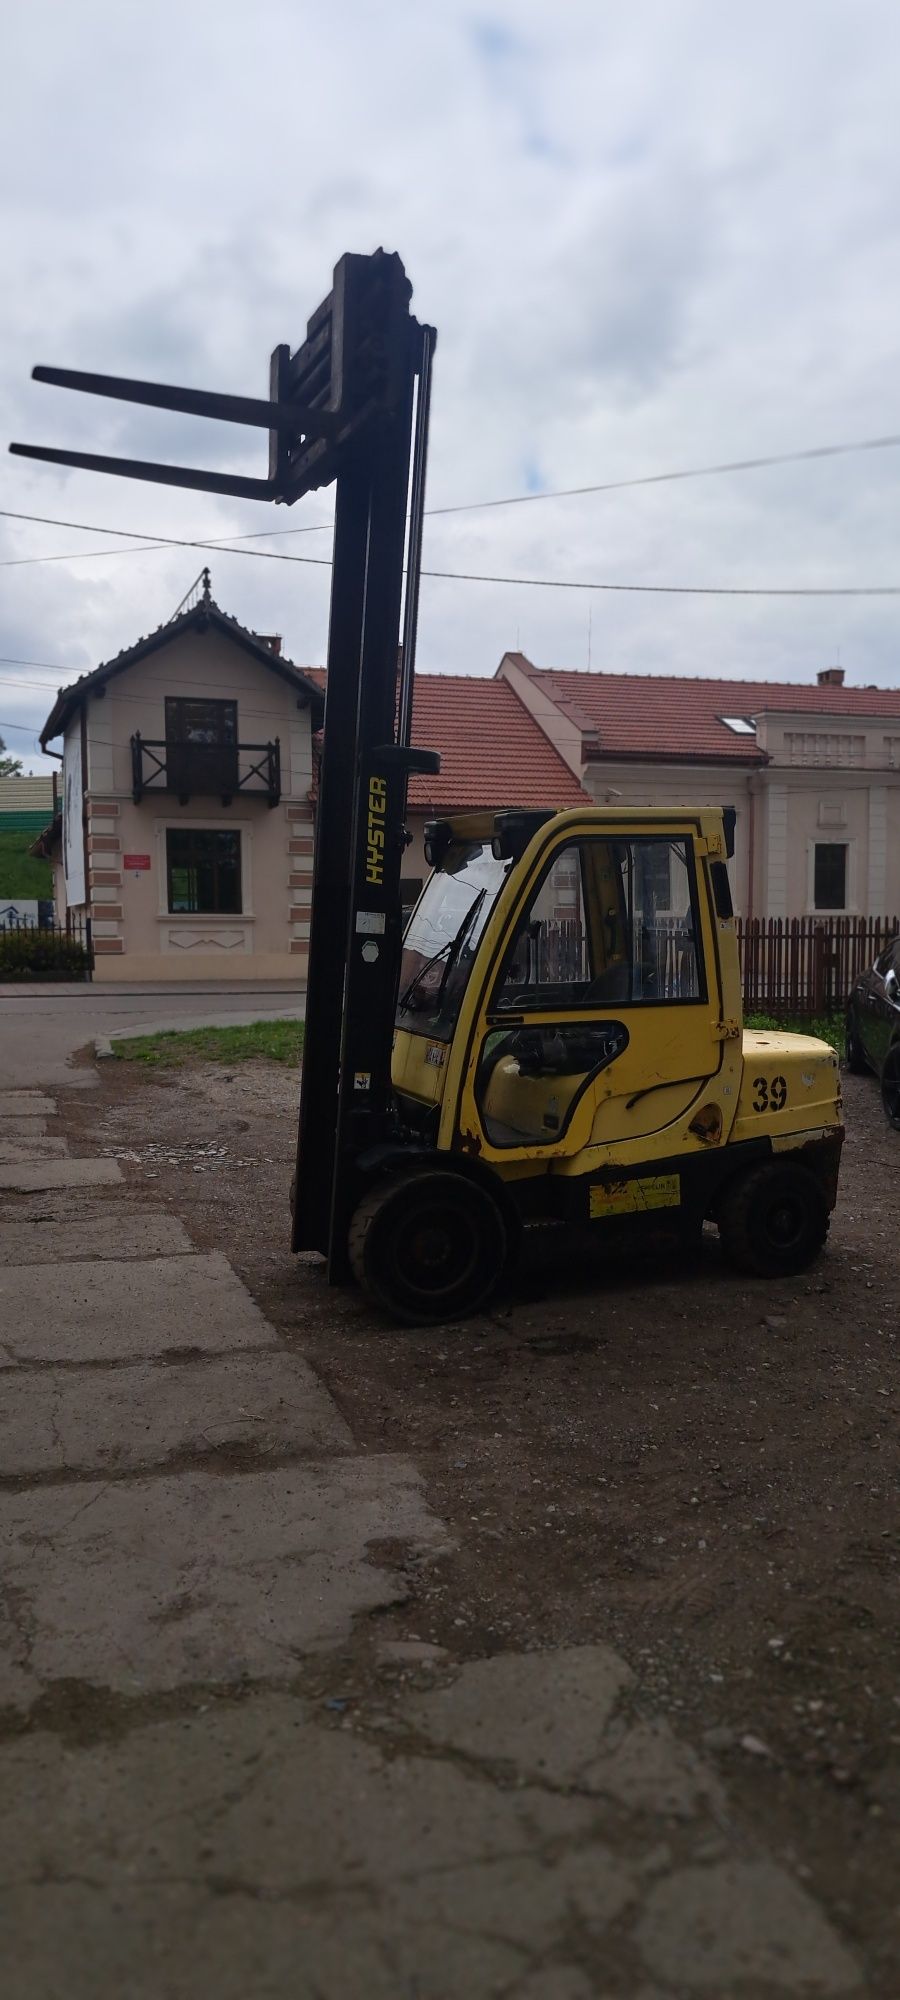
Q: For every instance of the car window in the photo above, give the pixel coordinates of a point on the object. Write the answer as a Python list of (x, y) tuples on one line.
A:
[(884, 959), (894, 957)]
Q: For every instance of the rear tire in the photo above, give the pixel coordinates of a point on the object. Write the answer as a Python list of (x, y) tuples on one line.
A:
[(774, 1220), (428, 1246), (854, 1057), (890, 1087)]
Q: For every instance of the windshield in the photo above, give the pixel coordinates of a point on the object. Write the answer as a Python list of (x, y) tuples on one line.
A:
[(443, 937)]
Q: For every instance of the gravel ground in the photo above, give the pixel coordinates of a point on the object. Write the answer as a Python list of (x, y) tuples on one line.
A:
[(699, 1469)]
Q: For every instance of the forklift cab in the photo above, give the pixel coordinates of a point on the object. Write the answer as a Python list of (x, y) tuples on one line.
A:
[(568, 1048), (560, 987)]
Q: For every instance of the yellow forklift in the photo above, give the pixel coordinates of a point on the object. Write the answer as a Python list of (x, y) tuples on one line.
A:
[(568, 1047), (558, 1037)]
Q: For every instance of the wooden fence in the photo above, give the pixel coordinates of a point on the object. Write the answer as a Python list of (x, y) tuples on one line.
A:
[(806, 965)]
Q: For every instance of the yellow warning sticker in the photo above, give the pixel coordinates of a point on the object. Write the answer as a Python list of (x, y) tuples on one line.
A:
[(633, 1197)]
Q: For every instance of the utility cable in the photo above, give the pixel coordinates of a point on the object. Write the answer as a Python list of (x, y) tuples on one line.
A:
[(727, 466), (525, 582)]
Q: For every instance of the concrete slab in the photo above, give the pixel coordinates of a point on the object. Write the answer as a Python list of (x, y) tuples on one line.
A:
[(248, 1849), (22, 1128), (43, 1235), (553, 1716), (119, 1310), (37, 1175), (236, 1411), (20, 1152), (26, 1104), (147, 1584), (714, 1928)]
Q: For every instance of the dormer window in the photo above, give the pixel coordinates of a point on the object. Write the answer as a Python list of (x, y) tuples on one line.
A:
[(740, 725)]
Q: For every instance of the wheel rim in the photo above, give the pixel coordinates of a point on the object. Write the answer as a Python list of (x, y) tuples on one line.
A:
[(785, 1222), (438, 1252)]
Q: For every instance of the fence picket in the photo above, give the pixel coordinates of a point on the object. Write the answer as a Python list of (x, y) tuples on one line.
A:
[(806, 965)]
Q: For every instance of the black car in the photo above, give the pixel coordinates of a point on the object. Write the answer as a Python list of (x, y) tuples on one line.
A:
[(873, 1027)]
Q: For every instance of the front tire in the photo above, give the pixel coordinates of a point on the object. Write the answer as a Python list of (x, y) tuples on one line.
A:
[(890, 1087), (428, 1246), (774, 1220)]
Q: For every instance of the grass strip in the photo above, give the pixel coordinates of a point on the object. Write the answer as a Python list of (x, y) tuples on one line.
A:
[(268, 1041)]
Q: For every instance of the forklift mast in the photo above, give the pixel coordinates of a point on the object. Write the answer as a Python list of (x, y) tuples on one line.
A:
[(351, 406)]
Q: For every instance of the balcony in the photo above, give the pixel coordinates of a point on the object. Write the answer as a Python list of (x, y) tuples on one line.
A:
[(205, 770)]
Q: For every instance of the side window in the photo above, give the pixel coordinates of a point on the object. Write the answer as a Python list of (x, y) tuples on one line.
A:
[(611, 923)]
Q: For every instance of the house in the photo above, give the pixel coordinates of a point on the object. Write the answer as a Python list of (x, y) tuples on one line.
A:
[(26, 803), (187, 826), (813, 772), (189, 770)]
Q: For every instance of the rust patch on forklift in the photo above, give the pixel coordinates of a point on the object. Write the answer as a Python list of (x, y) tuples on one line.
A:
[(706, 1125)]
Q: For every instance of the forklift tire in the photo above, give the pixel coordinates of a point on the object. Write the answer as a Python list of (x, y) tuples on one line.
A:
[(428, 1246), (774, 1220)]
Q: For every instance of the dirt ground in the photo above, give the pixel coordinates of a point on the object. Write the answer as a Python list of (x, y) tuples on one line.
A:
[(697, 1468)]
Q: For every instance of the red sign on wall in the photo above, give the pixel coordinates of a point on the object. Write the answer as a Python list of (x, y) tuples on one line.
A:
[(136, 861)]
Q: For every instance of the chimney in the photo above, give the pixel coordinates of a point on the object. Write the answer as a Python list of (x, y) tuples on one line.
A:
[(831, 677), (270, 639)]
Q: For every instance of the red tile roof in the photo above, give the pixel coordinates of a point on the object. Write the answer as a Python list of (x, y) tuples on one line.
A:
[(668, 716), (492, 752)]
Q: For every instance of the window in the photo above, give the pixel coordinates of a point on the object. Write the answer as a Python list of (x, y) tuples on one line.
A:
[(203, 871), (742, 725), (830, 875), (201, 746), (212, 723), (410, 891), (612, 922), (443, 937)]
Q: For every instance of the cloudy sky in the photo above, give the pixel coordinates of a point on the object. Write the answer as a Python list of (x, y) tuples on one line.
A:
[(651, 237)]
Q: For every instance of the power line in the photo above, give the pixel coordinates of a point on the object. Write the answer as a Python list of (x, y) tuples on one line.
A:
[(524, 582), (673, 589), (150, 541), (727, 466), (663, 478)]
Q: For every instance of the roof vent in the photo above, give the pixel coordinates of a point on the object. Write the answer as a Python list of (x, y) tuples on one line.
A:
[(831, 677)]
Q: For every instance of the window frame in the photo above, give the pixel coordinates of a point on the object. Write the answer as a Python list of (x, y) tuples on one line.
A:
[(555, 1003), (818, 909), (190, 833), (178, 701)]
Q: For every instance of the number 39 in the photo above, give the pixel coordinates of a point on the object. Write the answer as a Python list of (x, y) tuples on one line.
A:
[(769, 1096)]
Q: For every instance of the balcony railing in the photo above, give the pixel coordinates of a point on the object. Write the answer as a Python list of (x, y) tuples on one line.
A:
[(213, 770)]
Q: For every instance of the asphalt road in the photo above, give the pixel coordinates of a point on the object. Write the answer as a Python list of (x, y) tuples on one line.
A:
[(42, 1026)]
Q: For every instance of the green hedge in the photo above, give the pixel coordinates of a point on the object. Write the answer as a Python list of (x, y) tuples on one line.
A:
[(34, 954)]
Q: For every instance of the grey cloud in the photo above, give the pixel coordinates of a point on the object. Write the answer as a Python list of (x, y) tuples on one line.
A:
[(648, 237)]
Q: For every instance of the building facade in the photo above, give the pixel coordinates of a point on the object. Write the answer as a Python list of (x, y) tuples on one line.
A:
[(189, 767), (813, 773), (187, 822)]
